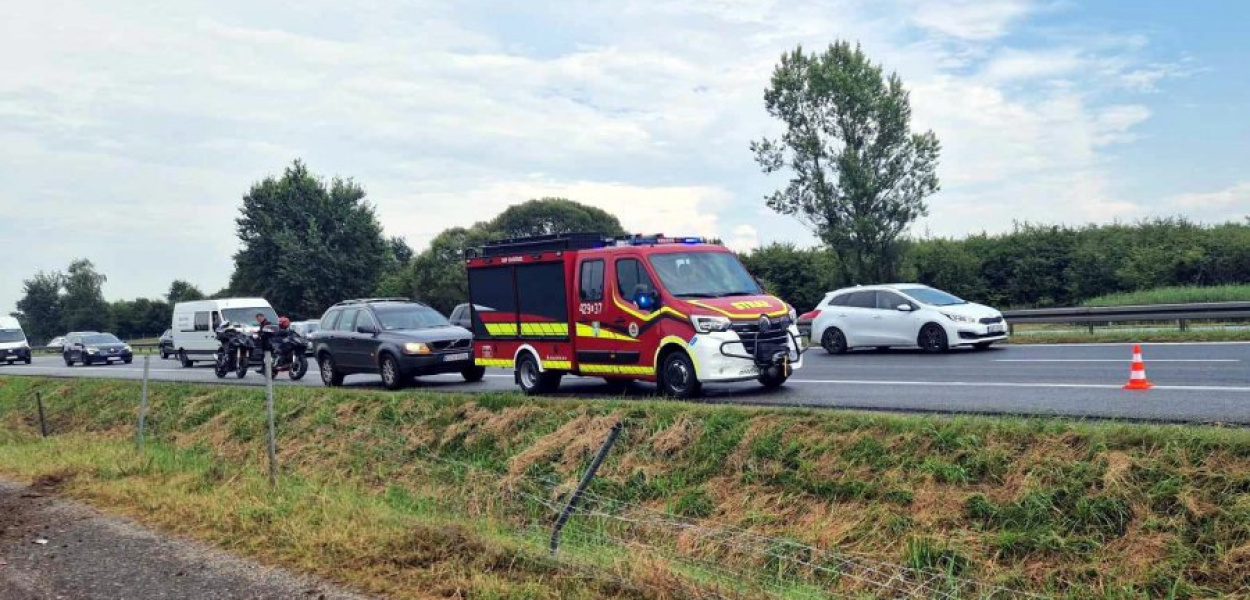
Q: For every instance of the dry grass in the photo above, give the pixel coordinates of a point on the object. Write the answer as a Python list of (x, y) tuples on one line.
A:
[(1076, 509)]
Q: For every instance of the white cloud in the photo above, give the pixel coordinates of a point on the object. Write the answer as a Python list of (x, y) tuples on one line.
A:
[(129, 119), (744, 238), (1229, 204), (977, 20)]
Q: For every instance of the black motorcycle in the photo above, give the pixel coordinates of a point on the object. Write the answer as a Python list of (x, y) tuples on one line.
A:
[(287, 347), (235, 352)]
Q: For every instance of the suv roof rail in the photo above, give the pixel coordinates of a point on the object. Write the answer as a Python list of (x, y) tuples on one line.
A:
[(369, 300)]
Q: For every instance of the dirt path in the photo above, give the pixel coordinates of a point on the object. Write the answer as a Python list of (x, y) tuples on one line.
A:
[(89, 556)]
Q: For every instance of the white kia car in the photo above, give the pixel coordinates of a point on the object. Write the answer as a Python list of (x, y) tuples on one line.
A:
[(903, 315)]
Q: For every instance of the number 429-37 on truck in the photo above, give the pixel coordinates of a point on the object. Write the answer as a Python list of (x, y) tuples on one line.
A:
[(679, 312)]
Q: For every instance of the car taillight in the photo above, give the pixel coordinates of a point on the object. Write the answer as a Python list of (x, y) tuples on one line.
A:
[(809, 316)]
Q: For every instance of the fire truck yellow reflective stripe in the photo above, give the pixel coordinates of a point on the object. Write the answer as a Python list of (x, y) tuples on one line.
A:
[(673, 340), (777, 313), (616, 369), (545, 329), (646, 317), (584, 330), (493, 362), (563, 365), (501, 329)]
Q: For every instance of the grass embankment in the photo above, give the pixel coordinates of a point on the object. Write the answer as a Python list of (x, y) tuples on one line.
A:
[(1174, 295), (424, 495)]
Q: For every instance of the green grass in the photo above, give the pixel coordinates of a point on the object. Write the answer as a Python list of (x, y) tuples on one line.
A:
[(1175, 295), (1130, 336), (1064, 508)]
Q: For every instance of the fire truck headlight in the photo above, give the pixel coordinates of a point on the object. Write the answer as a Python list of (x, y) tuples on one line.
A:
[(709, 323), (416, 348)]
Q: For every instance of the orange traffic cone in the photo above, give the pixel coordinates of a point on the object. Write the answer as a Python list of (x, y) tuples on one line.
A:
[(1137, 376)]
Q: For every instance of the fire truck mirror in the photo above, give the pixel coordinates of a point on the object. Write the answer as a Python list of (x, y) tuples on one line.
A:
[(645, 297)]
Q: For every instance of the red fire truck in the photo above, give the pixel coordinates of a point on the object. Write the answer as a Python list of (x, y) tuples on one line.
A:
[(677, 311)]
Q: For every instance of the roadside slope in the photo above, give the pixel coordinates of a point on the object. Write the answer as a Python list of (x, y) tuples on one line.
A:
[(1088, 510)]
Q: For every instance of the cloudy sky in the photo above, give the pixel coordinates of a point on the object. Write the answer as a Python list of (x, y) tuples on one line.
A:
[(129, 130)]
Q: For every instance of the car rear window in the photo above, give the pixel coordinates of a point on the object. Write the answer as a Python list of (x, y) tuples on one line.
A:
[(863, 300)]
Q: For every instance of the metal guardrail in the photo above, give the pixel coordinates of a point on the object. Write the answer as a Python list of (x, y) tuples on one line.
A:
[(1181, 313)]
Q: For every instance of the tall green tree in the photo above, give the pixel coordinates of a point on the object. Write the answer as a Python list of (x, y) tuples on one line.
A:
[(437, 276), (547, 216), (84, 307), (307, 243), (859, 175), (40, 306), (182, 291)]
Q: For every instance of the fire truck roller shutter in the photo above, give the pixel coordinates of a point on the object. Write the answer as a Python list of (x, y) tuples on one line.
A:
[(542, 300), (491, 288)]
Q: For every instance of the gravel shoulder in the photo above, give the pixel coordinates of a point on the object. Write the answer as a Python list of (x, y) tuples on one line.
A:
[(90, 556)]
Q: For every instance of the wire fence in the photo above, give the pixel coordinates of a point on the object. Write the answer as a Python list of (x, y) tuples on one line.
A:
[(629, 544)]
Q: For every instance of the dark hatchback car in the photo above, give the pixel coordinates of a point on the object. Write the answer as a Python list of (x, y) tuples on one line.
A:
[(166, 344), (88, 348), (394, 337)]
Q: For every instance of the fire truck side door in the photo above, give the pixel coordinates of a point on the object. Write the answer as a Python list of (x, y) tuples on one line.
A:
[(595, 344)]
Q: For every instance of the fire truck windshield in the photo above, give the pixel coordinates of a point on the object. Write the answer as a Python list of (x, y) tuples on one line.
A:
[(703, 274)]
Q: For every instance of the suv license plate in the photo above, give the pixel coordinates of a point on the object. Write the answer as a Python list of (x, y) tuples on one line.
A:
[(456, 357), (995, 328)]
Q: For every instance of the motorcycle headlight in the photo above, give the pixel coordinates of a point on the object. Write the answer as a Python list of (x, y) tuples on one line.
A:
[(959, 318), (710, 323), (416, 348)]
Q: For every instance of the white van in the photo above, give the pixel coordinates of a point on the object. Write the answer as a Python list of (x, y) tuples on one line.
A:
[(13, 344), (195, 324)]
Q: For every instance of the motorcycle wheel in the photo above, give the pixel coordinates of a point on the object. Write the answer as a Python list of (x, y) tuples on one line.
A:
[(221, 367), (299, 367), (240, 368)]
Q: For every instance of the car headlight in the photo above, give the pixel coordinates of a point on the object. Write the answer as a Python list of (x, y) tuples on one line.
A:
[(92, 350), (416, 348), (710, 323), (126, 348), (959, 318)]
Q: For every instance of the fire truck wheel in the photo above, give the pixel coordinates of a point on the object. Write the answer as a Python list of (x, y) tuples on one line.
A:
[(473, 374), (532, 379), (772, 381), (677, 376)]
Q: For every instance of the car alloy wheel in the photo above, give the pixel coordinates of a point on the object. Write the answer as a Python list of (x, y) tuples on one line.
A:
[(833, 341), (328, 376), (389, 369), (933, 339)]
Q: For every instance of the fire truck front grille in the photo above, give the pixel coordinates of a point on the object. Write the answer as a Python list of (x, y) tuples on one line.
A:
[(774, 340)]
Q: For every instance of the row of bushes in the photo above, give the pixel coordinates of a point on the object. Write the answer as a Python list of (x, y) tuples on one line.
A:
[(1035, 265)]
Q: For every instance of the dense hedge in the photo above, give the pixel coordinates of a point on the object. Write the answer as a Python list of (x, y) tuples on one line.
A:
[(1037, 265)]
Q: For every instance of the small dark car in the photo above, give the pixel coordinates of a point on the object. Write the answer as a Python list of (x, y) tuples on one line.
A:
[(394, 337), (166, 344), (461, 316), (91, 348)]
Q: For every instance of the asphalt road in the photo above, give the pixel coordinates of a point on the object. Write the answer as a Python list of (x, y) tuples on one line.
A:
[(1194, 382)]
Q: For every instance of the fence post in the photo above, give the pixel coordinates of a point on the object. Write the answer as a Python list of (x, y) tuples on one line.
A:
[(1091, 328), (143, 403), (1183, 324), (273, 442), (582, 485), (43, 424)]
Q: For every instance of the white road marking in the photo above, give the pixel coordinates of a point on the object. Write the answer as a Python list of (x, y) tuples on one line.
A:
[(1004, 384), (1118, 360)]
